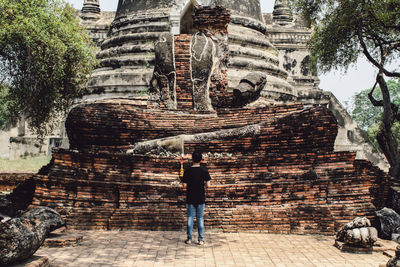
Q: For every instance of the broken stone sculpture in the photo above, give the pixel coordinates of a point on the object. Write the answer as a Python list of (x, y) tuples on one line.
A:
[(358, 233), (203, 53), (249, 88), (164, 76), (203, 60), (390, 221), (395, 261), (200, 58), (163, 83), (22, 236)]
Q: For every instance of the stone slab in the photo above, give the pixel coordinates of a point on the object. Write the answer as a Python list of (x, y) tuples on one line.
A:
[(64, 239), (167, 248)]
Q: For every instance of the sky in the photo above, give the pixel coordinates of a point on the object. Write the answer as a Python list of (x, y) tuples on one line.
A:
[(343, 84)]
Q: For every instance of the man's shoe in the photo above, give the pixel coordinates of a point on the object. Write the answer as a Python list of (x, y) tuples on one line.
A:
[(188, 242), (200, 243)]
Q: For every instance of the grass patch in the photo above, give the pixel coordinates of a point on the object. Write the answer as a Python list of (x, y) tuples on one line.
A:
[(24, 164)]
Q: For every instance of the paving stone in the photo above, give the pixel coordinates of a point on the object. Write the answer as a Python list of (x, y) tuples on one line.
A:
[(114, 248)]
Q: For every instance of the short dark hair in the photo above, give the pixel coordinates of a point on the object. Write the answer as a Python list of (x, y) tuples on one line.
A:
[(197, 156)]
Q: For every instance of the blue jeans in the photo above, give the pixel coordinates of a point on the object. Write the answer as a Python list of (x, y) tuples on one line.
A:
[(191, 211)]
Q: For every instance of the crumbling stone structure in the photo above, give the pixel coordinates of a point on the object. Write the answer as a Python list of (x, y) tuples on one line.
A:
[(274, 167), (192, 69), (128, 57), (272, 45), (95, 21), (290, 34), (171, 82)]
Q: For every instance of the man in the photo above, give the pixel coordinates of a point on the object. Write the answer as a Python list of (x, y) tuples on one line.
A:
[(196, 177)]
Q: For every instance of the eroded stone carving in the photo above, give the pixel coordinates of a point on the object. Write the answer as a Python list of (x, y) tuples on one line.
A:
[(390, 221), (249, 88), (200, 59), (394, 261), (203, 52), (163, 82), (22, 236), (358, 233)]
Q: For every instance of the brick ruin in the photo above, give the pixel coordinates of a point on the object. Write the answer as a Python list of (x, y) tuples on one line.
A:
[(274, 44), (273, 167), (280, 174)]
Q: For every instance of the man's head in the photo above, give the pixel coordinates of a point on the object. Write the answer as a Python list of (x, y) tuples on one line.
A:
[(197, 157)]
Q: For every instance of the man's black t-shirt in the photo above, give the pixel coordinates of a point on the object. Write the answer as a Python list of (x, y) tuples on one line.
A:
[(195, 177)]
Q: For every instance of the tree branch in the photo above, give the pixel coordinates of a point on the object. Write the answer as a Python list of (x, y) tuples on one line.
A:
[(373, 61), (375, 103)]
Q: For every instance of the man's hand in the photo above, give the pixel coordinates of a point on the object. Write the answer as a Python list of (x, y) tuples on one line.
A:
[(208, 184)]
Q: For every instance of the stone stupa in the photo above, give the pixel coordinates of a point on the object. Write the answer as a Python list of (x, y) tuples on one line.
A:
[(127, 55), (273, 44)]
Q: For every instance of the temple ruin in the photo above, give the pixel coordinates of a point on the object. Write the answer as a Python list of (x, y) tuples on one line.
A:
[(224, 78), (170, 83)]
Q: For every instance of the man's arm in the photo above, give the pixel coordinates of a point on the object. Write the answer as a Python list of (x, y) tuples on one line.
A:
[(184, 178), (207, 178)]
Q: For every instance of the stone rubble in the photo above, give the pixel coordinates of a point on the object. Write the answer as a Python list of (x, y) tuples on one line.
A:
[(390, 222), (22, 236), (394, 261), (358, 233)]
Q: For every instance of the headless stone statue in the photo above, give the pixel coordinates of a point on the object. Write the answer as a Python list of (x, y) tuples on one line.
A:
[(201, 65), (202, 57), (164, 76), (203, 51)]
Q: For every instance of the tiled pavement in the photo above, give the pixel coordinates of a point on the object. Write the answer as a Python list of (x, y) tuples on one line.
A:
[(148, 248)]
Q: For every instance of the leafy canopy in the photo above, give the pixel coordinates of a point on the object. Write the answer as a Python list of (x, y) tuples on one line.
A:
[(343, 29), (45, 58)]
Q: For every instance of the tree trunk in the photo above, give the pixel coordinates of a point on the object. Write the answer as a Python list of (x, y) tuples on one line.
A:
[(385, 137)]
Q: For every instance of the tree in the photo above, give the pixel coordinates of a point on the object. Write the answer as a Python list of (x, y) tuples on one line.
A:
[(4, 107), (345, 29), (370, 117), (45, 58)]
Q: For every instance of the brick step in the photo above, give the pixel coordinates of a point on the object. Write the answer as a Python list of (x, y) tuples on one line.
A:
[(135, 128)]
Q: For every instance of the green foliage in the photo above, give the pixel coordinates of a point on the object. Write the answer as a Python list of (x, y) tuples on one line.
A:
[(5, 106), (341, 26), (45, 58), (369, 117)]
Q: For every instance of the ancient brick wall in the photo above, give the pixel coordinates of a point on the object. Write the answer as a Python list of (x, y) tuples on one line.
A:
[(184, 85), (8, 181), (285, 179), (273, 168), (212, 21), (116, 124)]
